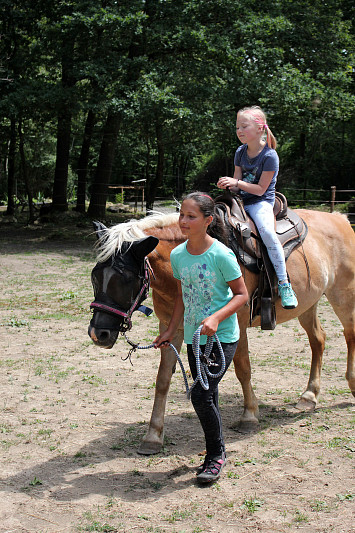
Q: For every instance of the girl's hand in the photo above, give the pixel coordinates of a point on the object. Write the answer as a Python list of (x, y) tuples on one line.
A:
[(210, 326), (163, 340), (226, 181)]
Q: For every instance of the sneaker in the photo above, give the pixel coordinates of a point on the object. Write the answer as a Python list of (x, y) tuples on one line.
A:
[(288, 297), (212, 469)]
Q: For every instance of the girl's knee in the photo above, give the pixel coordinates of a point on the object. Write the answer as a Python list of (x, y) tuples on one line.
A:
[(197, 396), (201, 399), (268, 236)]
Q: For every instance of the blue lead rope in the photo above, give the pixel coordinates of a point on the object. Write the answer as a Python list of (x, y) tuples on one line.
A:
[(201, 366), (203, 360)]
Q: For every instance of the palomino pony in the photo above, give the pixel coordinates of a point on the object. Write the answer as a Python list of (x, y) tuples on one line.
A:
[(120, 281)]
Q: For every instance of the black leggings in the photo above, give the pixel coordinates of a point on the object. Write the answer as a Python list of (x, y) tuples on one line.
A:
[(205, 402)]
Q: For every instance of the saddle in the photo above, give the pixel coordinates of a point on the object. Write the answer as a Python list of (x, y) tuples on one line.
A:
[(245, 241)]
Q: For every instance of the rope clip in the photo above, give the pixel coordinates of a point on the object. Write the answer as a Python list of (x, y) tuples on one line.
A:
[(134, 347), (208, 361)]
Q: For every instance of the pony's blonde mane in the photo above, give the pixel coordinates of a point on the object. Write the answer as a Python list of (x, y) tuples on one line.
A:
[(111, 239)]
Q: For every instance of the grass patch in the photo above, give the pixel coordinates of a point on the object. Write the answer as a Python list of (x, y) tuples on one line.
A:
[(252, 504)]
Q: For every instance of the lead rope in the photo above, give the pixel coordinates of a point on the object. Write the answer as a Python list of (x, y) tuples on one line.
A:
[(203, 360)]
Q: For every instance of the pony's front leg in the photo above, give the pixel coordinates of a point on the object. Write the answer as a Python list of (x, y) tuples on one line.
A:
[(249, 418), (153, 440)]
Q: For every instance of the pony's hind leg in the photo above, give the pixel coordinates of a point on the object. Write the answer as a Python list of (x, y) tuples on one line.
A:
[(349, 334), (343, 303), (316, 335)]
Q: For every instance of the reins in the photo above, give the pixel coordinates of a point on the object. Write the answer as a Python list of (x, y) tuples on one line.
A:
[(203, 359)]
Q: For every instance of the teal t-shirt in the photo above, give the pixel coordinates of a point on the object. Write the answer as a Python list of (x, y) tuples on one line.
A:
[(205, 289)]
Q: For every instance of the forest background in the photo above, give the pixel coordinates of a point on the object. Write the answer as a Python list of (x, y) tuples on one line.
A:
[(107, 92)]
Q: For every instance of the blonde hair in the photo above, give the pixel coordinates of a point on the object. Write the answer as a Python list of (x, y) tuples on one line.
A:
[(257, 114)]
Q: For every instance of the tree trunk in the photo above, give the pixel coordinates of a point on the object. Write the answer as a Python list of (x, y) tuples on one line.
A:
[(60, 184), (303, 172), (11, 170), (102, 178), (25, 174), (83, 161), (152, 185)]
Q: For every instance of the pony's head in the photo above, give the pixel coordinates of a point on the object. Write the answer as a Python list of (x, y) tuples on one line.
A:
[(120, 280)]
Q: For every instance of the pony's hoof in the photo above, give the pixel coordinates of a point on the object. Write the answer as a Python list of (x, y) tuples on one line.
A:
[(304, 404), (246, 426), (149, 448)]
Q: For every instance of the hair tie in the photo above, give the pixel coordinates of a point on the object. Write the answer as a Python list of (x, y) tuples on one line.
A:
[(207, 196), (266, 126)]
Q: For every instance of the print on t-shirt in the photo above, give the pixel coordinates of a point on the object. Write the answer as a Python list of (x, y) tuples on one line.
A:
[(249, 176), (198, 298)]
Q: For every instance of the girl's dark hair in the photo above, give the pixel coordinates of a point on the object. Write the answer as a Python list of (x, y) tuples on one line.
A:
[(217, 228)]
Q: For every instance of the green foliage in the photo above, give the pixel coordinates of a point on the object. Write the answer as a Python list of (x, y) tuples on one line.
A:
[(119, 198), (17, 323), (252, 504), (35, 481), (176, 73)]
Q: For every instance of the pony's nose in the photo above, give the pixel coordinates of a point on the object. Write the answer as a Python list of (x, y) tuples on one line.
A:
[(98, 335), (103, 335), (92, 334)]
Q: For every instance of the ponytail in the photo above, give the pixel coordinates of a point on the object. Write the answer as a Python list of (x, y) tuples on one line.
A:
[(217, 228), (270, 137)]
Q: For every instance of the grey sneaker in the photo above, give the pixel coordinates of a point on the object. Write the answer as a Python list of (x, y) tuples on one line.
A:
[(212, 469), (288, 297)]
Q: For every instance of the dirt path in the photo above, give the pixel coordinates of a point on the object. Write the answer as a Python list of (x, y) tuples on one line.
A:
[(72, 417)]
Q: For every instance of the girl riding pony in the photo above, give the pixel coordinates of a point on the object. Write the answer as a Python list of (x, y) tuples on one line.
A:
[(256, 168)]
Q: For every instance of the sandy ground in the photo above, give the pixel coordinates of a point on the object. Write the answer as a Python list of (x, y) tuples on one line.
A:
[(72, 417)]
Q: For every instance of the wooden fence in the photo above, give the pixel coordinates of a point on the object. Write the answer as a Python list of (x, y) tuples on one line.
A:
[(329, 198)]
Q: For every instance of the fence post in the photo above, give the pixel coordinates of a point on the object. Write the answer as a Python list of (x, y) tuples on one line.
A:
[(332, 197)]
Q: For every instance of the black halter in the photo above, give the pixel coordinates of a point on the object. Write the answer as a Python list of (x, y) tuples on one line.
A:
[(113, 309)]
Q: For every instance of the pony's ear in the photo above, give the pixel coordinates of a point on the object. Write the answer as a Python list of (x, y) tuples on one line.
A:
[(99, 228), (140, 249)]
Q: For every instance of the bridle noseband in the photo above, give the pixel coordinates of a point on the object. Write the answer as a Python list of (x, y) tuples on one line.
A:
[(113, 309)]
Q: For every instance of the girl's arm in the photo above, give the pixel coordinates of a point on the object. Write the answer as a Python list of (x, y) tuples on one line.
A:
[(176, 317), (240, 298), (252, 188)]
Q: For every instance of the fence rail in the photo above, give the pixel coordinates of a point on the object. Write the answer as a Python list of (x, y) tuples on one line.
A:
[(329, 199)]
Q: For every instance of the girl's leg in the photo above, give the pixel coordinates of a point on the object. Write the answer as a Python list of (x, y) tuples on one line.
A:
[(205, 402), (263, 216)]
